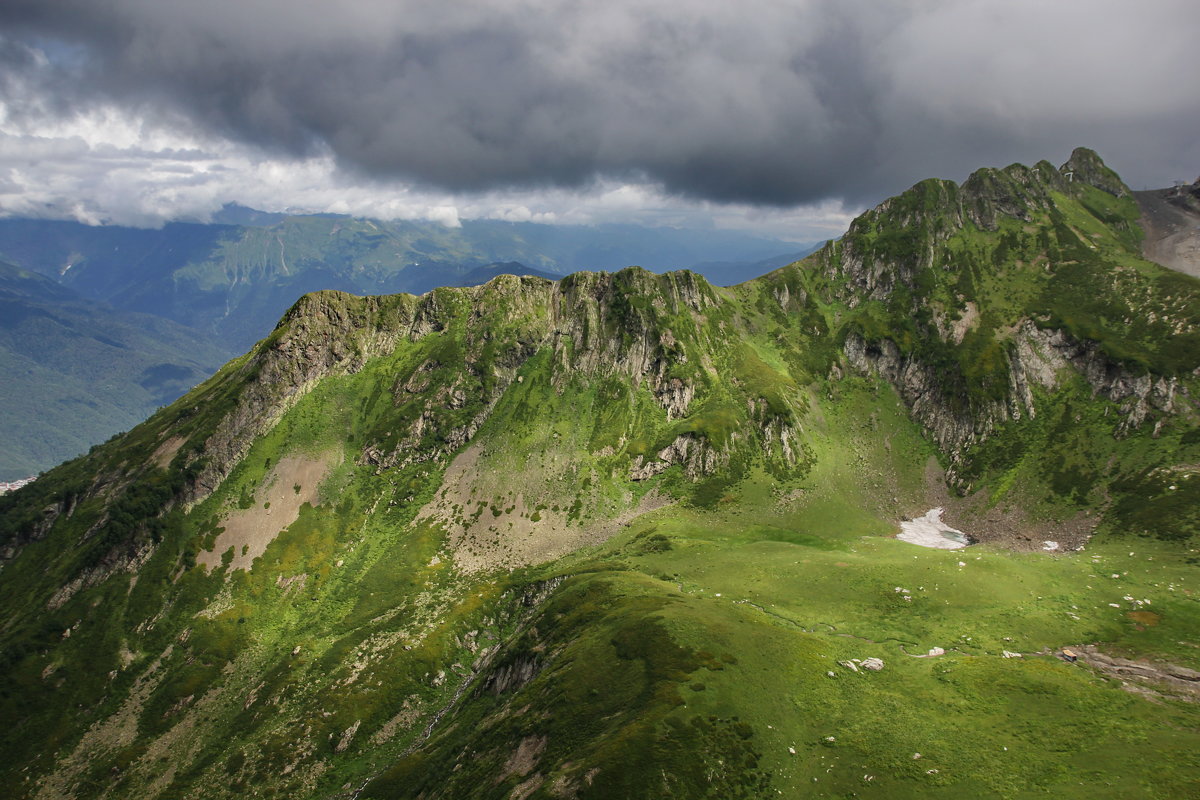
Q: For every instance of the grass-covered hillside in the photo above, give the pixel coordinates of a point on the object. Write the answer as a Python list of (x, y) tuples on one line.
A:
[(633, 536)]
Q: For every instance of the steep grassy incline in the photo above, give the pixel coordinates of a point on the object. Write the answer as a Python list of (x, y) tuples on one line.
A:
[(624, 536)]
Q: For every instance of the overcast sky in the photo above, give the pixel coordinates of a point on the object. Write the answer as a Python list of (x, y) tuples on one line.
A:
[(781, 116)]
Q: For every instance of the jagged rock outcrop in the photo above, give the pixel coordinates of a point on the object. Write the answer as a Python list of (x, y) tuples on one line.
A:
[(781, 439), (512, 676), (523, 667), (674, 395), (1016, 191), (1037, 358), (49, 515), (129, 558), (696, 455), (599, 331), (589, 324), (1042, 354), (1085, 166), (921, 388)]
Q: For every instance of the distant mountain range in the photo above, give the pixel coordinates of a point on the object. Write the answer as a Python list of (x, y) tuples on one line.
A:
[(225, 284)]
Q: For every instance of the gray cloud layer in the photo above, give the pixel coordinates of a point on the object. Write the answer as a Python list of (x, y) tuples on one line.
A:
[(762, 101)]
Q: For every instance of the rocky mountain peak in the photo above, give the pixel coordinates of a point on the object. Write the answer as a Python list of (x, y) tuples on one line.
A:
[(1086, 166)]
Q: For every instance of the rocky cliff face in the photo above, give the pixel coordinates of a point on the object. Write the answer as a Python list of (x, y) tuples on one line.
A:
[(584, 321), (596, 326), (1038, 358), (1043, 355)]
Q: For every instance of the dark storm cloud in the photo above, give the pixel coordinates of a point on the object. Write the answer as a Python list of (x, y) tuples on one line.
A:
[(763, 102)]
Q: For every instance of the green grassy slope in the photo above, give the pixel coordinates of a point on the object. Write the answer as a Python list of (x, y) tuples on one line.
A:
[(619, 536)]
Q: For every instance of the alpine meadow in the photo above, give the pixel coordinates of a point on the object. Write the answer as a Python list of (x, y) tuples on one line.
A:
[(627, 535)]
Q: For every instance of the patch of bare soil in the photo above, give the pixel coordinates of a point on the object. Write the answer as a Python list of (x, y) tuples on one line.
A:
[(289, 485), (524, 758), (404, 719), (166, 451), (1171, 220), (1007, 525), (489, 528), (1143, 676), (968, 319)]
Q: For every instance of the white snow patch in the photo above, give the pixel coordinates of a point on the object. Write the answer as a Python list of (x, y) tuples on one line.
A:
[(930, 531)]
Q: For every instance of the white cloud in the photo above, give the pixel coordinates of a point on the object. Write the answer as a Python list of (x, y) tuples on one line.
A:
[(106, 166), (698, 113)]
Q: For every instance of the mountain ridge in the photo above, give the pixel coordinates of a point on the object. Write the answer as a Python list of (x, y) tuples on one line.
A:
[(229, 281), (224, 278)]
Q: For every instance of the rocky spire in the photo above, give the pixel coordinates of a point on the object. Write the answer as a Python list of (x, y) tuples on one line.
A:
[(1085, 166)]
